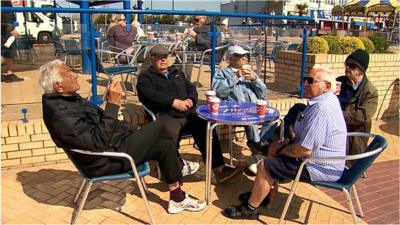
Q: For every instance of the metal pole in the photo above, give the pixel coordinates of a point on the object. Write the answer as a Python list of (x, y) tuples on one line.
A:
[(85, 33), (92, 52), (303, 62), (173, 5), (213, 46)]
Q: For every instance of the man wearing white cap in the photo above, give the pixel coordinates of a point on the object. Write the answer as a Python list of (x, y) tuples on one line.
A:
[(238, 82)]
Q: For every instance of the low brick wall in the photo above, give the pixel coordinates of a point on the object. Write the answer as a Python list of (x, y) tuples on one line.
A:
[(383, 72), (30, 144)]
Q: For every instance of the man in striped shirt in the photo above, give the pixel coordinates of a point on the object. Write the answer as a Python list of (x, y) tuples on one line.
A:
[(320, 132)]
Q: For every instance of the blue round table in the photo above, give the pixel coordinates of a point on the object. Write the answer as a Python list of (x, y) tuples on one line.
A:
[(230, 113)]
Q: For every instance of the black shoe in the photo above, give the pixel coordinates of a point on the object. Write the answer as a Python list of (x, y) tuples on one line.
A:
[(244, 198), (241, 212), (12, 78)]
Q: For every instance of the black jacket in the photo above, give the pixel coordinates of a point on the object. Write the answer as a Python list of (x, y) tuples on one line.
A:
[(157, 92), (73, 122)]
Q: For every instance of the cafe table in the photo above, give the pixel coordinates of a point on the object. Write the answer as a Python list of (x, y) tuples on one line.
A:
[(230, 113)]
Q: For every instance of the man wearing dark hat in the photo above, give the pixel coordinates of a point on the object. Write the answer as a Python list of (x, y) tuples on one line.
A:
[(358, 98), (170, 95)]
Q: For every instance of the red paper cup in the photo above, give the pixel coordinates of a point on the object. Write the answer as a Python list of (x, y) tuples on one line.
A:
[(338, 87), (213, 102), (210, 94), (261, 107)]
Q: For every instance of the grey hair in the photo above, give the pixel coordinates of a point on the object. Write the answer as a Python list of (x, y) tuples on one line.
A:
[(326, 75), (49, 75)]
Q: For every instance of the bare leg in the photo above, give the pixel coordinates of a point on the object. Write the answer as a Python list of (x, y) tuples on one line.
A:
[(261, 186)]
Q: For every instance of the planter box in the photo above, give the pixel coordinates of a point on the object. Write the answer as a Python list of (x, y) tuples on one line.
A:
[(383, 72)]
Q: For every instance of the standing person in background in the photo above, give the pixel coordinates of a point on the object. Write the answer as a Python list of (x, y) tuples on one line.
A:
[(200, 32), (118, 38), (225, 31), (358, 98), (8, 34)]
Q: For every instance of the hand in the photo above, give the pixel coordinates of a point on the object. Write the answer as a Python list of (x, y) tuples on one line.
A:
[(180, 105), (14, 33), (192, 33), (189, 103), (239, 73), (249, 74), (114, 92)]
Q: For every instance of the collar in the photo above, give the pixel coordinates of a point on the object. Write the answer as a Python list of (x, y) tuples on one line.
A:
[(58, 95), (233, 69), (320, 98), (356, 85)]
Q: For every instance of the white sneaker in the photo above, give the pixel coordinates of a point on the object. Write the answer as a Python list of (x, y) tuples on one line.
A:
[(189, 204), (190, 167)]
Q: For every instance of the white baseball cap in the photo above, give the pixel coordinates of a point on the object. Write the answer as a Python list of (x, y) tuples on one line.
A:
[(236, 49), (225, 21)]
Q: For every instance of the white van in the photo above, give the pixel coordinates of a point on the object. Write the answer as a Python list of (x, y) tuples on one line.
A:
[(38, 25)]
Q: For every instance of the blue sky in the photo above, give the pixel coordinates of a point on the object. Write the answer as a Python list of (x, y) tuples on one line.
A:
[(209, 5)]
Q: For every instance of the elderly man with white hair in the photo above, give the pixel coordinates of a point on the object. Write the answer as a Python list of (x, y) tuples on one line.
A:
[(238, 82), (73, 122), (320, 132)]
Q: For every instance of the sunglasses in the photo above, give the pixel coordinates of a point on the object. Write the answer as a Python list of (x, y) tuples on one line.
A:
[(239, 55), (351, 65), (311, 80)]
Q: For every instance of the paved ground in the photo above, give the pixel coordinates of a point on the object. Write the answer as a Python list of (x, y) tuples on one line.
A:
[(44, 194)]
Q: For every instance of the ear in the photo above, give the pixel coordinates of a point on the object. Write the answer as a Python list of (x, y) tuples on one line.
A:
[(328, 86), (58, 87)]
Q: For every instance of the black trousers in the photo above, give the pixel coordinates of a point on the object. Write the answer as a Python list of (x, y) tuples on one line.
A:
[(152, 142), (197, 127)]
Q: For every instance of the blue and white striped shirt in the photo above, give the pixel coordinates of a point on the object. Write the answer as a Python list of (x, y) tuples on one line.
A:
[(323, 130)]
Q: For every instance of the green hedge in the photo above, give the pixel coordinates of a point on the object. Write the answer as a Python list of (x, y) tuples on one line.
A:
[(316, 45), (350, 44), (369, 45), (334, 44), (380, 43)]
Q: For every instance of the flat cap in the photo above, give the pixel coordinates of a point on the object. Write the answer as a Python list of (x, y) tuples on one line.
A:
[(159, 50)]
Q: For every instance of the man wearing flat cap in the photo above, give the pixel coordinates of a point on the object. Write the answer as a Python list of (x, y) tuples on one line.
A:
[(358, 98), (170, 95)]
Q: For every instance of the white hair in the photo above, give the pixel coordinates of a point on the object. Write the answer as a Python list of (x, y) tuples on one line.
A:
[(49, 75), (326, 75)]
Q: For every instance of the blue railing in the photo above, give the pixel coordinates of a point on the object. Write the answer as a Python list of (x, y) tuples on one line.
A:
[(87, 34)]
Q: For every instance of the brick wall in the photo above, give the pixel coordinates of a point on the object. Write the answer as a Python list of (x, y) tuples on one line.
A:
[(383, 72), (30, 144)]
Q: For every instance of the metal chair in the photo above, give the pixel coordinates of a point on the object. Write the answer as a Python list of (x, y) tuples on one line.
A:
[(67, 47), (118, 70), (350, 175), (292, 46), (137, 172), (278, 46), (25, 45)]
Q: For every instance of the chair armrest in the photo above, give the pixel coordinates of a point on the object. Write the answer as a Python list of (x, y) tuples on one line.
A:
[(153, 116)]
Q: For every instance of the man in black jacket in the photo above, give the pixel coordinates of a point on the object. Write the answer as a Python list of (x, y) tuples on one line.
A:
[(73, 122), (167, 92)]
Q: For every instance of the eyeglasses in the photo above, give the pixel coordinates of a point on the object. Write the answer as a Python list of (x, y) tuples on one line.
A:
[(311, 80), (239, 55), (121, 19), (351, 65)]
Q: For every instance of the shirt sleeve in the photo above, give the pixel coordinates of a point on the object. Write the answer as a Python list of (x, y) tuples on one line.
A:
[(224, 83)]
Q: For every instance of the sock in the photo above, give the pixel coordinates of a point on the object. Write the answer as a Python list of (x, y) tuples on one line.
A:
[(177, 195), (252, 208)]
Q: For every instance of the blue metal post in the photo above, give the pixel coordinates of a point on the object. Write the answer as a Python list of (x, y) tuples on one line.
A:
[(140, 7), (92, 52), (85, 37), (128, 16), (303, 62), (213, 46)]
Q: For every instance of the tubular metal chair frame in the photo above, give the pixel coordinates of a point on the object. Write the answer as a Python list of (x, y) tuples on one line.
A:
[(347, 192), (90, 181)]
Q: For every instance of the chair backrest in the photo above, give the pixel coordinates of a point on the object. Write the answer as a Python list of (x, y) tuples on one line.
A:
[(58, 47), (24, 43), (350, 176), (99, 66), (293, 46), (71, 45)]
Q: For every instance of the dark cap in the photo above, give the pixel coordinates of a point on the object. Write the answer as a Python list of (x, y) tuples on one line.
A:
[(159, 50), (360, 58)]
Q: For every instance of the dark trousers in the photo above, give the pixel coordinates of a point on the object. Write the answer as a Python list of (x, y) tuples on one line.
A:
[(197, 127), (152, 142)]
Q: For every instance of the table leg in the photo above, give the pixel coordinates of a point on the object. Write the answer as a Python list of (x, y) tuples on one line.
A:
[(210, 128)]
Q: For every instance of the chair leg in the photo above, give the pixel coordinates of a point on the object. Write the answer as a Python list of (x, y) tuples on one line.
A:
[(289, 199), (123, 85), (198, 77), (350, 205), (144, 185), (230, 144), (82, 203), (360, 211), (146, 203), (159, 172), (80, 190)]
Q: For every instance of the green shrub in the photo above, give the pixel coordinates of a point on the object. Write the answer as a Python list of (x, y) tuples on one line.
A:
[(350, 44), (369, 45), (316, 45), (380, 43), (334, 44)]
